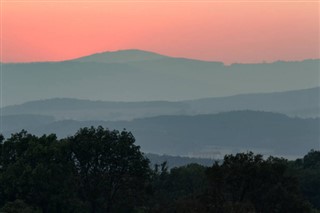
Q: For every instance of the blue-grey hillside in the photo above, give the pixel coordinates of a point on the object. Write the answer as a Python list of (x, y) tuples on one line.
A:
[(66, 108), (15, 123), (301, 103), (209, 136), (117, 77)]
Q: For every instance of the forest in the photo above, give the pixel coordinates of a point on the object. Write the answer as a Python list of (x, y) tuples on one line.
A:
[(101, 170)]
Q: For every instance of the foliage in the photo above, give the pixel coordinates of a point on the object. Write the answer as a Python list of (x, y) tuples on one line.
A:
[(37, 171), (307, 170), (247, 183), (179, 189), (90, 172), (110, 170), (18, 206), (98, 170)]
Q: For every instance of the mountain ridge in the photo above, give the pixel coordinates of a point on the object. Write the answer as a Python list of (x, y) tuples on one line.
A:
[(167, 79), (302, 103), (120, 56), (136, 55), (196, 135)]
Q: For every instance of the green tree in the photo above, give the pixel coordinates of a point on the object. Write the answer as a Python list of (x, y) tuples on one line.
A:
[(178, 190), (111, 171), (307, 170), (19, 206), (37, 171), (247, 183)]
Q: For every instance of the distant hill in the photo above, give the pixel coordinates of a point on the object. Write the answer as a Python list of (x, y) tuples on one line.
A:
[(302, 103), (15, 123), (65, 108), (209, 136), (133, 75), (121, 56)]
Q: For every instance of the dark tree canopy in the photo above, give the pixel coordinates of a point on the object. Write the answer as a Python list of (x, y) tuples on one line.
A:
[(99, 170), (96, 170), (37, 170), (247, 183), (110, 169), (307, 170)]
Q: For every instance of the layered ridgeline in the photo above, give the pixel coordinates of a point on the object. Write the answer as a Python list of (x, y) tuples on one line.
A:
[(271, 108), (133, 75), (208, 136), (301, 103)]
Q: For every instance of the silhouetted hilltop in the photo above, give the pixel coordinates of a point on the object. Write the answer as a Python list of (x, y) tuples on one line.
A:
[(121, 56)]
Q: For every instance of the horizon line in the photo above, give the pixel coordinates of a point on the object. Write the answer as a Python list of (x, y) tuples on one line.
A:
[(152, 52)]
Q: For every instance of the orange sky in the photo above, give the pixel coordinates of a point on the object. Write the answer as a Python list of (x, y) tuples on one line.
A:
[(219, 31)]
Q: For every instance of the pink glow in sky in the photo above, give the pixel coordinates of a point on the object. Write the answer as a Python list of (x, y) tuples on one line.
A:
[(217, 31)]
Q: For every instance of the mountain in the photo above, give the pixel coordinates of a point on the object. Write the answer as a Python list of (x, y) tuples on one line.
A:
[(209, 136), (143, 76), (121, 56), (15, 123), (302, 103), (66, 108)]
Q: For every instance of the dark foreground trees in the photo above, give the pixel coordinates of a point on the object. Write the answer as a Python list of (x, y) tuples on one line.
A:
[(109, 169), (36, 171), (248, 183), (98, 170), (240, 183), (307, 170)]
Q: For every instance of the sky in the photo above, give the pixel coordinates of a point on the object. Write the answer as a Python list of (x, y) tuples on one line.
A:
[(229, 31)]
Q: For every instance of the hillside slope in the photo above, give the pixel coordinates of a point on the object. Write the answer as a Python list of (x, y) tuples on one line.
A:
[(209, 135)]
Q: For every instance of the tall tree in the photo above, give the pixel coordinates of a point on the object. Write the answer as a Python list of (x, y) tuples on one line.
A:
[(111, 171)]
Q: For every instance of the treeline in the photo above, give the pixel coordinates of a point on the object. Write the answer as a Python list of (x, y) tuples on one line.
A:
[(98, 170)]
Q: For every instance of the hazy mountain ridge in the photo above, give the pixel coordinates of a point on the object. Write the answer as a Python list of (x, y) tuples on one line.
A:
[(164, 78), (185, 123), (121, 56), (302, 103), (64, 108), (209, 135), (15, 123)]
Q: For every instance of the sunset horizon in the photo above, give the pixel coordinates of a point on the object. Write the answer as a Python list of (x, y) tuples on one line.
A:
[(229, 32), (162, 54)]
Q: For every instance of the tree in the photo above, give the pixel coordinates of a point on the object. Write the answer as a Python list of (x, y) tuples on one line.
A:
[(178, 190), (110, 170), (248, 183), (307, 170), (19, 206), (37, 171)]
